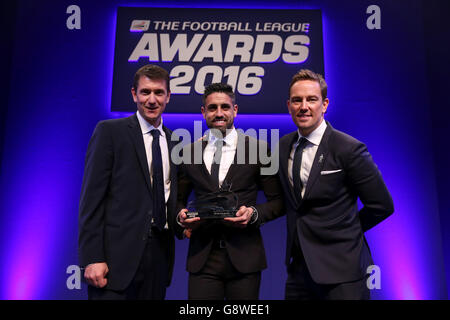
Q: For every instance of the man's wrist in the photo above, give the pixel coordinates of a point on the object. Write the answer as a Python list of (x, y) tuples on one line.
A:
[(254, 215), (178, 219)]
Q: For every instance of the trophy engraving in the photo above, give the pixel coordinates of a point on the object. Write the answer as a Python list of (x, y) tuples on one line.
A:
[(217, 205)]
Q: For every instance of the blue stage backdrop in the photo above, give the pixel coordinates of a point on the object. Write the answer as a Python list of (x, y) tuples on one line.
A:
[(375, 60)]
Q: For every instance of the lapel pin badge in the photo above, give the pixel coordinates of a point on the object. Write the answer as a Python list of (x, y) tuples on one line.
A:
[(321, 158)]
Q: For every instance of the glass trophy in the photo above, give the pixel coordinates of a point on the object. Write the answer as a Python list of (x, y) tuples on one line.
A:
[(217, 205)]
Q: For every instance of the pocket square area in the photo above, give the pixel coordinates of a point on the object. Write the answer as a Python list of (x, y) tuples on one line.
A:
[(329, 172)]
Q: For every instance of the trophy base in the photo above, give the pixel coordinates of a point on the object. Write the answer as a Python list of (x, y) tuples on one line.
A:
[(211, 215)]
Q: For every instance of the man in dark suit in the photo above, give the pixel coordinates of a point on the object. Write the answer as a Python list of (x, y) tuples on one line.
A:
[(323, 172), (226, 256), (128, 199)]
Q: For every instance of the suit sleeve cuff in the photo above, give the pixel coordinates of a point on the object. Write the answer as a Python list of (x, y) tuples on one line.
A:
[(254, 217)]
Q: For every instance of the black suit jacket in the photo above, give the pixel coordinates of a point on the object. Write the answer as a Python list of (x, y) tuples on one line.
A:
[(116, 200), (327, 222), (245, 246)]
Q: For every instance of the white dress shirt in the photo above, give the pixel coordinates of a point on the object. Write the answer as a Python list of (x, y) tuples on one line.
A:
[(309, 153), (228, 153), (148, 140)]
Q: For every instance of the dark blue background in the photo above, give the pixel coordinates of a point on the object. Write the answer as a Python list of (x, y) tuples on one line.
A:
[(388, 88)]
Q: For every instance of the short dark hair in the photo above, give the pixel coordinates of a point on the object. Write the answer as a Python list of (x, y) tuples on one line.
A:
[(219, 87), (152, 72), (306, 74)]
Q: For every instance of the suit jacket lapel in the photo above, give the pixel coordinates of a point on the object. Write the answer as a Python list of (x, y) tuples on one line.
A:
[(138, 141), (285, 151), (203, 169), (233, 168), (319, 160), (170, 145), (200, 168)]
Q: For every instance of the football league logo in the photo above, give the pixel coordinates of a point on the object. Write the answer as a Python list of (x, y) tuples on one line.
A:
[(139, 25)]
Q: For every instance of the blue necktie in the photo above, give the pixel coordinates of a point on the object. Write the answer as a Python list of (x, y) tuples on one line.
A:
[(298, 185), (159, 202)]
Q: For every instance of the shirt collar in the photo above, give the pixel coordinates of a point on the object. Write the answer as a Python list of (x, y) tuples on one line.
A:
[(316, 136), (230, 139), (147, 127)]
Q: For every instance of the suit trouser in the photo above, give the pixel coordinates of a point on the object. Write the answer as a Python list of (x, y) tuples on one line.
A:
[(151, 278), (301, 286), (219, 280)]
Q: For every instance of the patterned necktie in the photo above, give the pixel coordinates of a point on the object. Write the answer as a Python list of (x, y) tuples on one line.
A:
[(216, 162), (159, 201), (298, 185)]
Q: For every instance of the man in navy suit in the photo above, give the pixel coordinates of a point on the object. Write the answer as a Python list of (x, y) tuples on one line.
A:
[(323, 172), (128, 198)]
